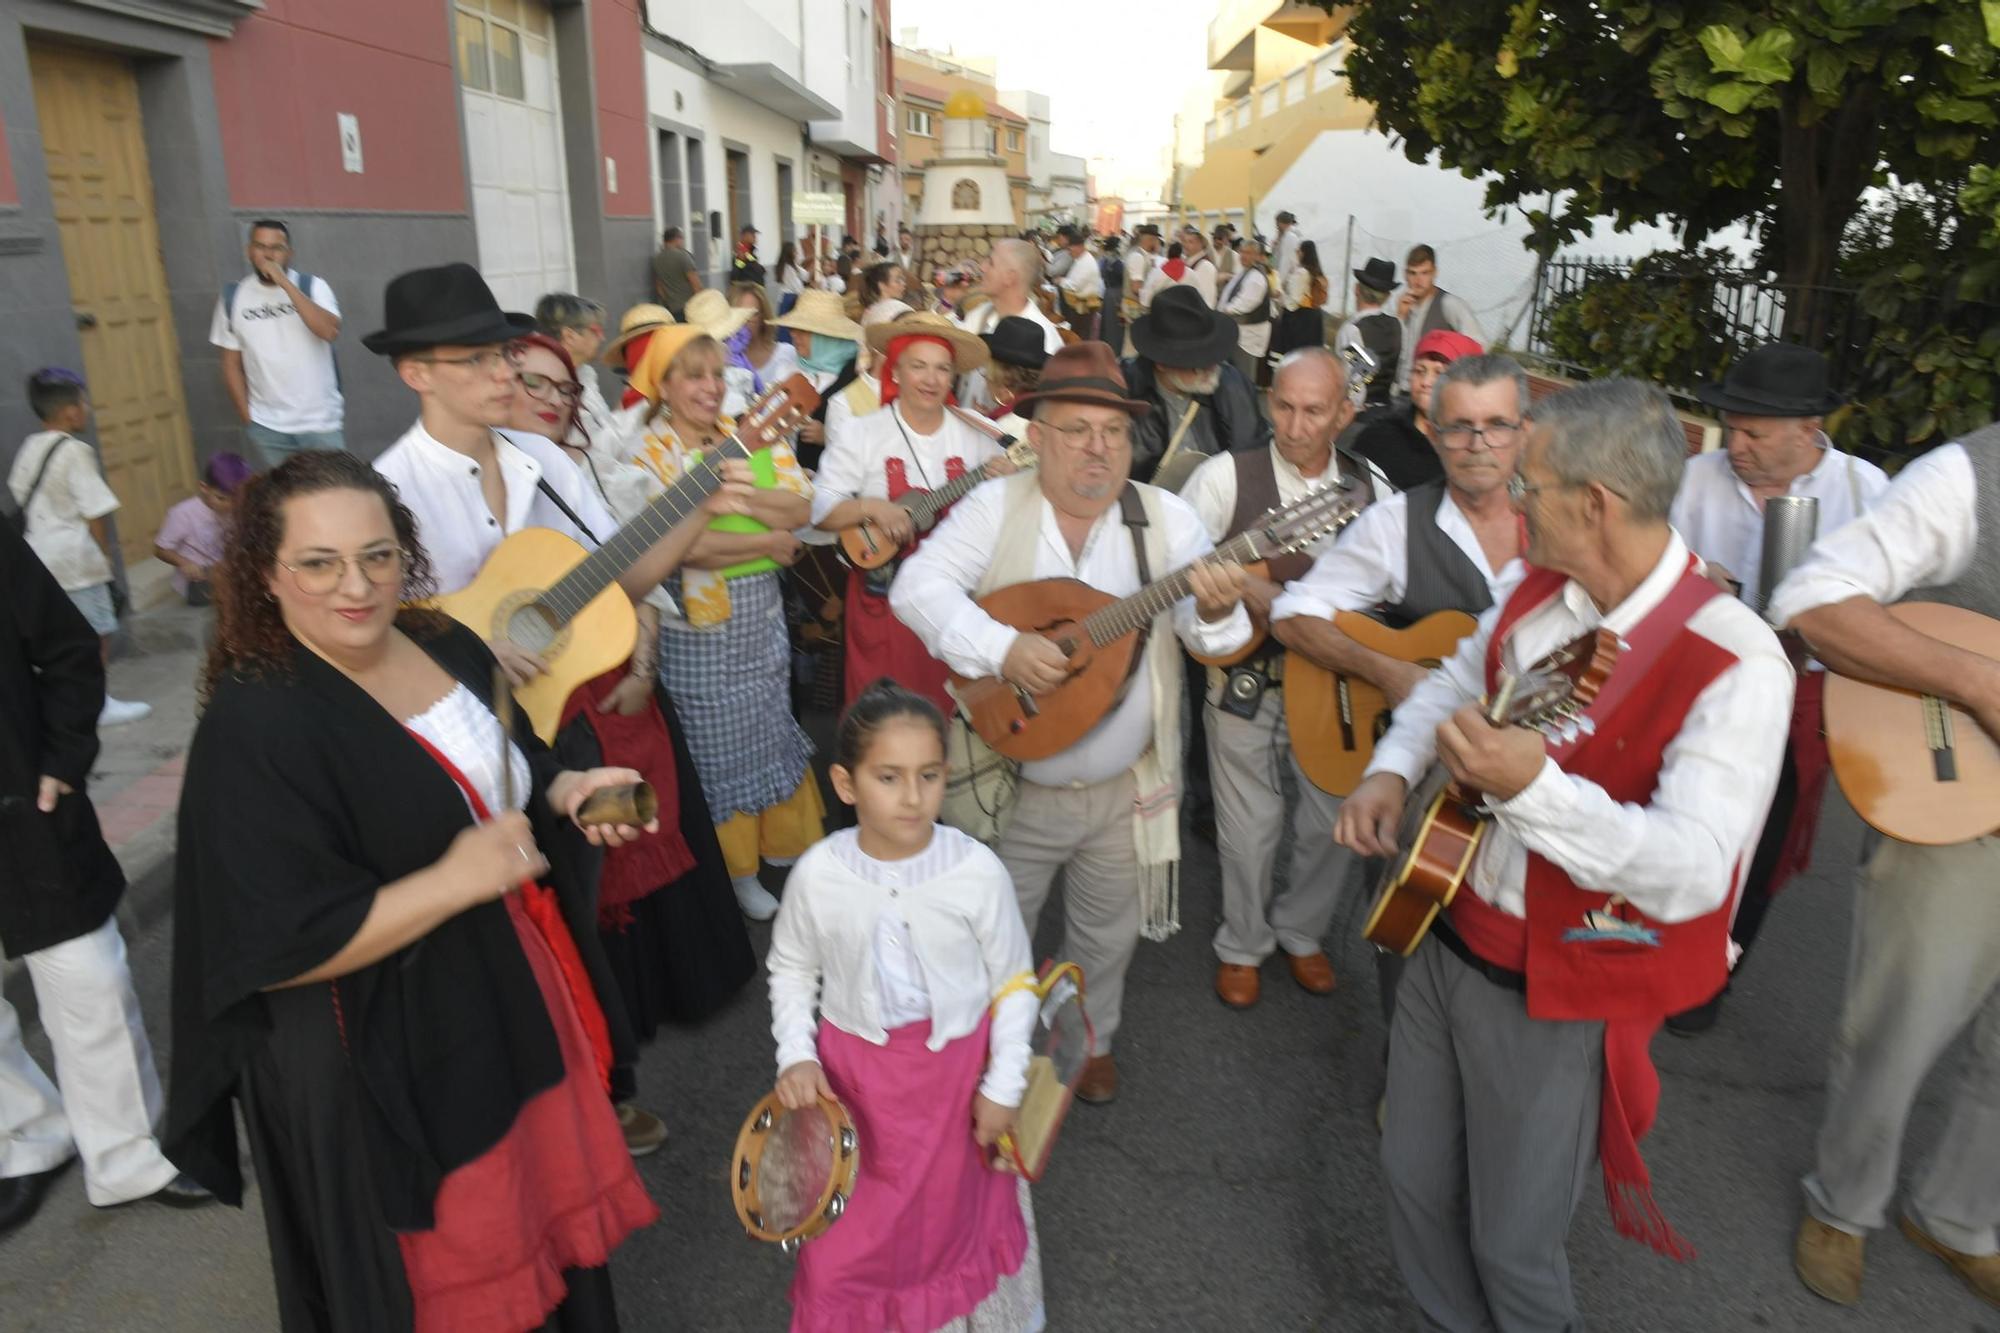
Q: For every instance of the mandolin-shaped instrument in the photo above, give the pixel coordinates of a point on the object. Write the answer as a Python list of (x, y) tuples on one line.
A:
[(1100, 634), (1443, 823), (543, 592), (865, 547)]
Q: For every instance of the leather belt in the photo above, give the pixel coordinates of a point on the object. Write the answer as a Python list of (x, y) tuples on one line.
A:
[(1504, 977)]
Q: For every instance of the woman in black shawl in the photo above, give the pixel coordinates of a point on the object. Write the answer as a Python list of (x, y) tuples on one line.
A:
[(362, 957)]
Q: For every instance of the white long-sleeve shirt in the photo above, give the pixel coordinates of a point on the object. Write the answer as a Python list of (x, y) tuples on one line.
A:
[(1211, 491), (932, 594), (1246, 291), (1084, 278), (1677, 856), (1370, 565), (1724, 523), (876, 945), (1285, 252), (1921, 532), (1201, 275), (856, 462)]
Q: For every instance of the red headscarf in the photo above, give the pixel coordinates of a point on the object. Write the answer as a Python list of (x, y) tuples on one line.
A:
[(897, 346), (632, 352)]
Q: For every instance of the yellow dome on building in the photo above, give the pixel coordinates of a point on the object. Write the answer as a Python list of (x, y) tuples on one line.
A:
[(965, 105)]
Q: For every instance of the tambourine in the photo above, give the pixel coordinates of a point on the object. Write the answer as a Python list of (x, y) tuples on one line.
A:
[(1057, 1055), (793, 1170)]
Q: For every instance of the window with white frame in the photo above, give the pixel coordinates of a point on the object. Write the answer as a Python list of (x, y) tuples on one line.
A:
[(1013, 141), (919, 123)]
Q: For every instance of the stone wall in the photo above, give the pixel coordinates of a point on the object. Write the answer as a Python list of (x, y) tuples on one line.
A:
[(955, 244)]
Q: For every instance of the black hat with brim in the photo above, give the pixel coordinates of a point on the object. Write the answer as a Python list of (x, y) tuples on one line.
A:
[(1377, 275), (1776, 380), (1017, 341), (1181, 332), (446, 306)]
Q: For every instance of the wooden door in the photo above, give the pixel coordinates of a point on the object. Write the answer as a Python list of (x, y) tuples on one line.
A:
[(103, 195)]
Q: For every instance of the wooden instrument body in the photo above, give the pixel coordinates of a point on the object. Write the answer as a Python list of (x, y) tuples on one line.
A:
[(1881, 743), (1335, 719), (759, 1132), (501, 604), (1023, 727), (864, 547)]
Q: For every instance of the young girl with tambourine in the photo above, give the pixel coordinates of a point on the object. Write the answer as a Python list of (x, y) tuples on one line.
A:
[(904, 931)]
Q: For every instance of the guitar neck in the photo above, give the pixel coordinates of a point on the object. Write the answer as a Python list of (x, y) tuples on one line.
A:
[(602, 567), (930, 504), (1134, 612)]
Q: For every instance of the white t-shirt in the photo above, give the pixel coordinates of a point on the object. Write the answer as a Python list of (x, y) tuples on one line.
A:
[(293, 387), (72, 493)]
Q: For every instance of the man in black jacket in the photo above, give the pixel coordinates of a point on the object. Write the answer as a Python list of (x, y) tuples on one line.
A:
[(56, 900), (1183, 360)]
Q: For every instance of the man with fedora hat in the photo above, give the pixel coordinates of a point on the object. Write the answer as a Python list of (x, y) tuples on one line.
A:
[(1183, 358), (1285, 246), (917, 442), (1015, 368), (1104, 811), (1141, 258), (1375, 329), (1773, 402)]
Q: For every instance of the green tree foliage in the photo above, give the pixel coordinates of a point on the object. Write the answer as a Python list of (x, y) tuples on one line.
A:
[(1692, 113)]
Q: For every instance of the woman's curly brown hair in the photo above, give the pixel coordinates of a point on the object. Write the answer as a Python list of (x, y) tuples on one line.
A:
[(250, 633)]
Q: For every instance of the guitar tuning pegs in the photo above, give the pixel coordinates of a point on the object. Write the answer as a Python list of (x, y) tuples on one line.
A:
[(1587, 725)]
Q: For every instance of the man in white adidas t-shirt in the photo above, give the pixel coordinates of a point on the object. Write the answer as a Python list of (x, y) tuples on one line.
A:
[(276, 328)]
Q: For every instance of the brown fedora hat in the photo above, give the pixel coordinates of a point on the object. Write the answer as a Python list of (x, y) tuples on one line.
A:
[(1084, 372)]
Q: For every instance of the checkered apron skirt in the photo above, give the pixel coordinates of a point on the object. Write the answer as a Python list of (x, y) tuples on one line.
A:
[(731, 685)]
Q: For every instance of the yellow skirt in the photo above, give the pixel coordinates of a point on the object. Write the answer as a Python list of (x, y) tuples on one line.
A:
[(778, 833)]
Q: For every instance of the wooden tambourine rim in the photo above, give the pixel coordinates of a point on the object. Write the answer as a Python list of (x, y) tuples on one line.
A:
[(750, 1143), (1009, 1154)]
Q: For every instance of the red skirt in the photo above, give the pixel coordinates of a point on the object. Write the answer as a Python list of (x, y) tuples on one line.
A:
[(878, 644), (558, 1191)]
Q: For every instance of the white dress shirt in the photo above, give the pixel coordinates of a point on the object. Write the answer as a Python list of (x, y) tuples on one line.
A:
[(1084, 278), (855, 465), (1457, 314), (1285, 252), (1920, 533), (441, 487), (1200, 274), (1723, 522), (932, 595), (1246, 291), (1211, 491), (1678, 856), (877, 945), (1370, 565), (1139, 265), (840, 417)]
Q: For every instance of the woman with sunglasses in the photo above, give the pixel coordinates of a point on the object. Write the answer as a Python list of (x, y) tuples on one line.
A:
[(369, 957), (677, 956)]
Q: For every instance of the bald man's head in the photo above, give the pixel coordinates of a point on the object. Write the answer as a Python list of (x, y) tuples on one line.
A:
[(1014, 269)]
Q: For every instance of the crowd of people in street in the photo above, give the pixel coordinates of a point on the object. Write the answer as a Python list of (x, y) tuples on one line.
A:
[(415, 990)]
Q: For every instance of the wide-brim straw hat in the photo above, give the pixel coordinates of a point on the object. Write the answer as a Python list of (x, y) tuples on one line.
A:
[(968, 352), (640, 319), (821, 314), (709, 310)]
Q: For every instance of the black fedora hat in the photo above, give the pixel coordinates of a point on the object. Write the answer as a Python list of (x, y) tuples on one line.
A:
[(446, 306), (1377, 275), (1017, 341), (1776, 380), (1182, 332)]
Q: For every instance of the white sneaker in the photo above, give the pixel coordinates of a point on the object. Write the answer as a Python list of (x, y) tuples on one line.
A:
[(117, 711), (755, 900)]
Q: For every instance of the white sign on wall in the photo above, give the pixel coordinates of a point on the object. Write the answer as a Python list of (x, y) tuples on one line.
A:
[(811, 209), (350, 141)]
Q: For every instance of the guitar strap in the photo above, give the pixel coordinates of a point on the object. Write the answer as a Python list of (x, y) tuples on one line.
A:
[(542, 485), (1133, 511)]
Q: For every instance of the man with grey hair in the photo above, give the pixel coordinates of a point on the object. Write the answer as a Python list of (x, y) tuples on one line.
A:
[(1243, 714), (1598, 901), (1183, 365), (1008, 281)]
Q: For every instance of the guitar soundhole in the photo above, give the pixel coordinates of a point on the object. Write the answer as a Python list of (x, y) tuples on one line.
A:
[(530, 626)]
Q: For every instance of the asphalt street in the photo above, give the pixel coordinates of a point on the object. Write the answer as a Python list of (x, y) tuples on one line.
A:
[(1235, 1184)]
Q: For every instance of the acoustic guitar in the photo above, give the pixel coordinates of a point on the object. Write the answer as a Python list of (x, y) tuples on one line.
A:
[(1914, 766), (1334, 719), (1100, 634), (545, 594), (1442, 822), (865, 547)]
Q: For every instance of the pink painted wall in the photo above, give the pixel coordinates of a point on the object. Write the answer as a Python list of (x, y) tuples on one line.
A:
[(620, 60), (285, 74)]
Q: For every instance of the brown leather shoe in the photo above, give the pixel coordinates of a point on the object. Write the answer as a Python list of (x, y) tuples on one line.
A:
[(1099, 1083), (1829, 1262), (1236, 985), (1313, 973), (1980, 1271)]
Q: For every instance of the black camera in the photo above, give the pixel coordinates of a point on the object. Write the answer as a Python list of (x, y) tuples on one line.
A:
[(1243, 691)]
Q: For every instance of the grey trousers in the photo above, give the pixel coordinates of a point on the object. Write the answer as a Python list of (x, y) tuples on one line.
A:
[(1925, 964), (1244, 759), (1490, 1140), (1086, 831)]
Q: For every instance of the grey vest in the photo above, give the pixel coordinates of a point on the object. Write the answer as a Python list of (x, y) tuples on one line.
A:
[(1441, 577), (1435, 317), (1978, 589)]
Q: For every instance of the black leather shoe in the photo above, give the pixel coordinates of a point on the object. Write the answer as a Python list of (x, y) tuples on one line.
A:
[(21, 1196), (1693, 1022), (182, 1192)]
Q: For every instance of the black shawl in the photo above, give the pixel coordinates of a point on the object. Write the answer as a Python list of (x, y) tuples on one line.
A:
[(302, 798)]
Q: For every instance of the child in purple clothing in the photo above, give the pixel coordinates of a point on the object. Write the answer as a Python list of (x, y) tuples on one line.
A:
[(191, 537)]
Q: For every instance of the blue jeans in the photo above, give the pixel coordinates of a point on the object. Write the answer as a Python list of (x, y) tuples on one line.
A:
[(276, 446)]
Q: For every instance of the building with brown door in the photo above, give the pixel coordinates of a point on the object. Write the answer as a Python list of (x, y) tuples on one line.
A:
[(138, 139)]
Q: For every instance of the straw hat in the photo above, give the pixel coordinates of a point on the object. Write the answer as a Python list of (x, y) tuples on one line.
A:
[(709, 310), (821, 314), (640, 319), (968, 352)]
